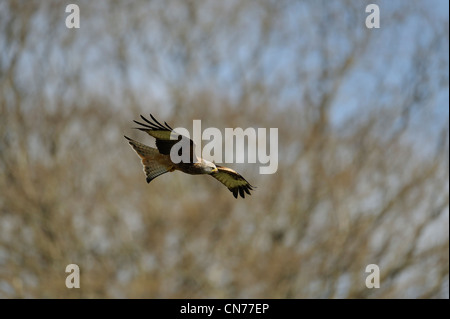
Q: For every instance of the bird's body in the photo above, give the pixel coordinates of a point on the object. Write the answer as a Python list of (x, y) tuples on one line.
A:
[(157, 161)]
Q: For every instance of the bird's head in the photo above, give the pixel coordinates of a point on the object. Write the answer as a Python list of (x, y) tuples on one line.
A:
[(210, 167)]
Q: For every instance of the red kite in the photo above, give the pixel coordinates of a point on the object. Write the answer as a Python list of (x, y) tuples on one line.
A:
[(157, 161)]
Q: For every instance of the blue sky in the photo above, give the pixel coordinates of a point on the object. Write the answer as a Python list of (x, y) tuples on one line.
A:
[(293, 48)]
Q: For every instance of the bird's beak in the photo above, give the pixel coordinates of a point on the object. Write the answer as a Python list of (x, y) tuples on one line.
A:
[(215, 170)]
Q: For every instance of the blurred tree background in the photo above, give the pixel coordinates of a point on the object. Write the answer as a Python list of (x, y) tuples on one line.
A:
[(363, 175)]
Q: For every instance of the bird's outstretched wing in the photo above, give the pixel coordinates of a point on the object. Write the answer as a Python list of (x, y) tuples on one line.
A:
[(233, 180), (162, 134)]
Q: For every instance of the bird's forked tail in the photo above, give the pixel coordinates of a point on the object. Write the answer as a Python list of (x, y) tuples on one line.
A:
[(152, 168)]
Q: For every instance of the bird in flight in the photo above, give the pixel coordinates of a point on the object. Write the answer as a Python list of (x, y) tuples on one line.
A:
[(157, 161)]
